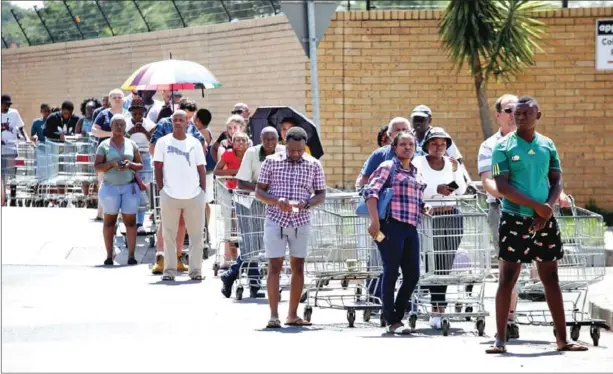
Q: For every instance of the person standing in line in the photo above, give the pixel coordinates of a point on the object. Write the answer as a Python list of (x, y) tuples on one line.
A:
[(527, 171), (85, 123), (12, 129), (37, 132), (181, 178), (202, 120), (399, 246), (247, 177), (290, 183), (240, 109), (61, 124), (106, 104)]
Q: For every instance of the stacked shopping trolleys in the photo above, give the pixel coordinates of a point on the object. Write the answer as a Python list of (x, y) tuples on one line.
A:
[(582, 265), (342, 258)]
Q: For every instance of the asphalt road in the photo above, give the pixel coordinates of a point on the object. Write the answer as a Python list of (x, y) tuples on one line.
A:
[(61, 311)]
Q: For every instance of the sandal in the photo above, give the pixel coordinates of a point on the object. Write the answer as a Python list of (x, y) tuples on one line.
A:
[(572, 347), (298, 322), (496, 349), (399, 330), (274, 323), (197, 277), (168, 278)]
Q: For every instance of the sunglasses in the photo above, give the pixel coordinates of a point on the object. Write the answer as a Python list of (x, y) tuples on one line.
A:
[(509, 110), (239, 111)]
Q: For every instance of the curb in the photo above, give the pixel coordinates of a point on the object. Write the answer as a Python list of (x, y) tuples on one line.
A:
[(597, 312)]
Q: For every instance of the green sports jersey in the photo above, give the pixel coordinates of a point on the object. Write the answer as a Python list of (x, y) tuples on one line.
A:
[(528, 166)]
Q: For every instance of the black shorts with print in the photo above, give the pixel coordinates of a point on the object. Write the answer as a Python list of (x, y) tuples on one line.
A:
[(518, 244)]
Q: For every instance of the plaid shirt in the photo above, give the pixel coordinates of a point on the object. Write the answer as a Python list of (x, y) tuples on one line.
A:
[(408, 185), (294, 181), (164, 127)]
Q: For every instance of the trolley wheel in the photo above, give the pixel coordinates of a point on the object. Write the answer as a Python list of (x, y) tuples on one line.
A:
[(205, 253), (413, 321), (239, 293), (367, 315), (351, 317), (512, 331), (320, 284), (308, 313), (327, 283), (469, 309), (215, 269), (382, 322), (344, 283), (304, 297), (458, 308), (445, 327), (480, 326), (595, 334), (152, 241), (575, 331), (253, 293), (358, 294)]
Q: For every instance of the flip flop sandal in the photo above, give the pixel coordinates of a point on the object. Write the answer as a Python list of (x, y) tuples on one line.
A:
[(197, 278), (496, 349), (274, 323), (168, 278), (298, 322), (572, 347)]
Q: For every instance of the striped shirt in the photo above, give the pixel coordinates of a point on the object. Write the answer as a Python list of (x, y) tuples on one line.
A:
[(484, 161), (408, 186), (164, 127)]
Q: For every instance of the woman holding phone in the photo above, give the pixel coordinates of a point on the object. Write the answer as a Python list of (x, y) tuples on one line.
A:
[(396, 236), (444, 178), (118, 159)]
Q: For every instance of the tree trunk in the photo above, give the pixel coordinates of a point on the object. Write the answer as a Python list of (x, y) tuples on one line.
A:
[(481, 91)]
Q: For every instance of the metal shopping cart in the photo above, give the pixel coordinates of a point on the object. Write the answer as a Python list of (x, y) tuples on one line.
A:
[(227, 224), (455, 253), (22, 177), (342, 256), (583, 264)]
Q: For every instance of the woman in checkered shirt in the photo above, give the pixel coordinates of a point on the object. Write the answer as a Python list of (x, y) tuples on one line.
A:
[(399, 246)]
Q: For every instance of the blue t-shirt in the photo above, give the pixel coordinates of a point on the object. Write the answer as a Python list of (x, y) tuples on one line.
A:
[(164, 127), (38, 129), (377, 158), (103, 119)]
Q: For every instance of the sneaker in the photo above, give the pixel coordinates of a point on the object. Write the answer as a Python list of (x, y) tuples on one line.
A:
[(132, 261), (227, 282), (140, 230), (435, 323), (108, 262), (181, 266), (158, 267)]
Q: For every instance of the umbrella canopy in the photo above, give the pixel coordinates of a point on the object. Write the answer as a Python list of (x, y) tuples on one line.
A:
[(171, 75), (274, 115)]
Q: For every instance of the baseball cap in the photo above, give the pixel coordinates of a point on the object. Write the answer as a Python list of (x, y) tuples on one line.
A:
[(6, 99), (421, 111)]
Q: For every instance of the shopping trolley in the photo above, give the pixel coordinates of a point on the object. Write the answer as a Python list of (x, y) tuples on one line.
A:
[(226, 222), (582, 265), (21, 175), (455, 253), (342, 256)]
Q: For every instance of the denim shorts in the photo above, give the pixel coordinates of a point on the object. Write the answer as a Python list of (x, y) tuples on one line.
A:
[(124, 198)]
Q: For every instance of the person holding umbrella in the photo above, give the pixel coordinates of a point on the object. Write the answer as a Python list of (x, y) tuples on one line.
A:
[(286, 124)]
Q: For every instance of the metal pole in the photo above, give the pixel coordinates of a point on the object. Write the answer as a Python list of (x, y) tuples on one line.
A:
[(21, 27), (179, 13), (6, 45), (367, 4), (313, 60), (142, 15), (226, 10), (44, 23), (73, 19), (105, 18), (272, 4)]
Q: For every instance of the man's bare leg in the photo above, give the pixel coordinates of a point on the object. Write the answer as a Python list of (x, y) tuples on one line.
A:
[(272, 285), (296, 287), (509, 272)]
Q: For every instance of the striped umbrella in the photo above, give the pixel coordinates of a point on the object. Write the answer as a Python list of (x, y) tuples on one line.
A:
[(172, 75)]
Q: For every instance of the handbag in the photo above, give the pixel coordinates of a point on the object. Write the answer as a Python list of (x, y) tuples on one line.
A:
[(384, 201)]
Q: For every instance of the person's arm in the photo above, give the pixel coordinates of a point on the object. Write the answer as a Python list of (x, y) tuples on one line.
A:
[(79, 126), (220, 172), (555, 177), (261, 189), (245, 172), (319, 186), (158, 164), (100, 164), (201, 167), (490, 185), (158, 132), (484, 167), (371, 164), (99, 133)]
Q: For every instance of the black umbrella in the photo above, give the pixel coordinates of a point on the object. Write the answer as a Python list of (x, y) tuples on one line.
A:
[(274, 115)]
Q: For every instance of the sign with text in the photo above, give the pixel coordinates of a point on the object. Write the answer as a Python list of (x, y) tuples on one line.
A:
[(604, 44)]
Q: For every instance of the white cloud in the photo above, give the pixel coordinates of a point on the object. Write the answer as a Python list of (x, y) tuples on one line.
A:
[(27, 4)]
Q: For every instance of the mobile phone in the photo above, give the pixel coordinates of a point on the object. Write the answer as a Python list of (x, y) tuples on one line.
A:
[(453, 185)]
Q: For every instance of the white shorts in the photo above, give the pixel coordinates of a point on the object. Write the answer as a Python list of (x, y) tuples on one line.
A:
[(209, 187), (278, 239)]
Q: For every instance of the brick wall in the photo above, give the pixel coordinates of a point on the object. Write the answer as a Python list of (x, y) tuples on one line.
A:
[(377, 65), (259, 62)]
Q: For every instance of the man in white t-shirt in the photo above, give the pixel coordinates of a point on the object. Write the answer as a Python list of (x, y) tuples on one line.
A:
[(181, 178), (12, 129)]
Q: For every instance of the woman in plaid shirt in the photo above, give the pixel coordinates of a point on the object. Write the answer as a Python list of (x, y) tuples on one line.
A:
[(400, 247)]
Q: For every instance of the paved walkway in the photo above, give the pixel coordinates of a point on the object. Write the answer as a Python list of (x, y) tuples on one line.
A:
[(62, 311)]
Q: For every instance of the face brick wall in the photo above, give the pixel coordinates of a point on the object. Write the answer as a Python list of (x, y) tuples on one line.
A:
[(377, 65), (259, 62)]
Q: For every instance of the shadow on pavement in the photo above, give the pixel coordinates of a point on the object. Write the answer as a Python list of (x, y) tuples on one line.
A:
[(175, 282), (291, 330), (521, 342), (258, 301), (528, 355)]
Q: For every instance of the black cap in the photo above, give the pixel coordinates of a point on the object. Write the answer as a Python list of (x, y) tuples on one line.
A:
[(436, 132), (6, 99)]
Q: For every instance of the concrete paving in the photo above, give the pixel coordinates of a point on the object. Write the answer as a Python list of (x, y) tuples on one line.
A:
[(62, 311)]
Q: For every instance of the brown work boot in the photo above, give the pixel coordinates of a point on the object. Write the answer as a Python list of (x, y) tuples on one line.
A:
[(158, 267), (181, 266)]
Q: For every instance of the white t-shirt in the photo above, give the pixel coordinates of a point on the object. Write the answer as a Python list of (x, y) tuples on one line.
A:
[(11, 123), (139, 138), (180, 158), (154, 111), (434, 178)]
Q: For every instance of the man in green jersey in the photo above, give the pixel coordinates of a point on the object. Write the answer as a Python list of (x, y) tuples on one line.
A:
[(527, 171)]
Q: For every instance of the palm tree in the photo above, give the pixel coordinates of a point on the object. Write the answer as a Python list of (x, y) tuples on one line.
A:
[(494, 38)]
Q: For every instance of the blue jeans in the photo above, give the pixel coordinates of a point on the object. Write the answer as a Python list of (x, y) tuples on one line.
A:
[(399, 250), (146, 175)]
